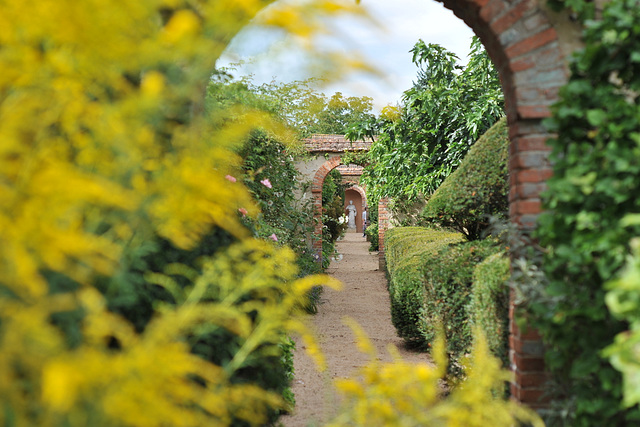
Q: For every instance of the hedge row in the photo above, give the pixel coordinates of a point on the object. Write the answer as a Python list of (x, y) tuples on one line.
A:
[(477, 189), (438, 280), (406, 247)]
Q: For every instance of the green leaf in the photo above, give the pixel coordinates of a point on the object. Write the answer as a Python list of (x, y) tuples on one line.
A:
[(596, 117)]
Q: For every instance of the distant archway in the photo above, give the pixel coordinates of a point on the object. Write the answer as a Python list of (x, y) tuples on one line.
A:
[(358, 199)]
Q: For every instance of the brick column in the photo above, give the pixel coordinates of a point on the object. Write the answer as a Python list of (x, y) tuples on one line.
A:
[(317, 216), (529, 169), (383, 225), (526, 356)]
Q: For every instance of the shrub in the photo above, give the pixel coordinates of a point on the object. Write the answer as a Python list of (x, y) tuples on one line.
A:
[(373, 237), (407, 248), (107, 159), (477, 189), (624, 302), (489, 307), (448, 286)]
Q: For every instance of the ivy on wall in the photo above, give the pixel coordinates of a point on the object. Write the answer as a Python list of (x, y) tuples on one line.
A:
[(596, 182)]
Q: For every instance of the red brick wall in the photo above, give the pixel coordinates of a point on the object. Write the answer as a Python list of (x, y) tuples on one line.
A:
[(383, 225), (333, 144)]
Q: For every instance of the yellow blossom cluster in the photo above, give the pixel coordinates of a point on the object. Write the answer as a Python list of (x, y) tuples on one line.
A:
[(405, 394)]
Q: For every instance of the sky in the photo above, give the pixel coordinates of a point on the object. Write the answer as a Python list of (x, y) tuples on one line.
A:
[(384, 42)]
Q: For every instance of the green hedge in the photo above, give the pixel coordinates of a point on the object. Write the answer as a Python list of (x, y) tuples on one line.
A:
[(431, 285), (490, 303), (448, 279), (477, 189), (406, 249)]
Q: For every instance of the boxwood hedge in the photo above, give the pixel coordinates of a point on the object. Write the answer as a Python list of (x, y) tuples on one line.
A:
[(448, 280), (431, 284), (490, 303), (479, 188), (407, 248)]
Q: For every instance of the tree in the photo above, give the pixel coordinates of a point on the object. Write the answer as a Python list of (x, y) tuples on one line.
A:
[(441, 116), (298, 104), (339, 113)]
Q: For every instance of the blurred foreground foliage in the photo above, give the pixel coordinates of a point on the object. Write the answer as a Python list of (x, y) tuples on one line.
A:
[(131, 291), (403, 394)]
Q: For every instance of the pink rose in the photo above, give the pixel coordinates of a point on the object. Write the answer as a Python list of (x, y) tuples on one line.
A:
[(274, 237), (266, 183), (230, 178)]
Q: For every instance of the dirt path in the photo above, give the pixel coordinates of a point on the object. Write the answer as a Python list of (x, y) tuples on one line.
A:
[(364, 297)]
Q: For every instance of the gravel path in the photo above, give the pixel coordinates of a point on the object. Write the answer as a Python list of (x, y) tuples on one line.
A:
[(364, 297)]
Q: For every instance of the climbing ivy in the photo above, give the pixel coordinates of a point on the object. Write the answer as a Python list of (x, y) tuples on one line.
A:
[(596, 158)]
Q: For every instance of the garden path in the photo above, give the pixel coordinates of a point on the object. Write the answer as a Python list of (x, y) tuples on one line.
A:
[(364, 298)]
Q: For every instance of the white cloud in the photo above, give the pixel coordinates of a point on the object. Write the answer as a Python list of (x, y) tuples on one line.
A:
[(386, 45)]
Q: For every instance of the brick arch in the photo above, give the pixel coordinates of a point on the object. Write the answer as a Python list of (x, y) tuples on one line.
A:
[(360, 191), (525, 46), (316, 191)]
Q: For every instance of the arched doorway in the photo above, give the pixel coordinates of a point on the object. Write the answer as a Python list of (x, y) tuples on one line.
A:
[(357, 198), (529, 45)]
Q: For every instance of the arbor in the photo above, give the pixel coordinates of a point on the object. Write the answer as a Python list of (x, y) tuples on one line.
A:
[(424, 139)]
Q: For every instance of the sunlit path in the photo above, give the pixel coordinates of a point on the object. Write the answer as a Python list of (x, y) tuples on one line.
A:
[(364, 297)]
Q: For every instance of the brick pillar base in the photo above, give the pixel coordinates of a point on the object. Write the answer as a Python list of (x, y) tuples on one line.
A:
[(526, 356), (382, 262), (383, 225)]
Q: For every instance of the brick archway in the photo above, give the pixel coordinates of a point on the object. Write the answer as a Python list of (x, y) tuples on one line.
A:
[(316, 191), (524, 44), (523, 40), (360, 191)]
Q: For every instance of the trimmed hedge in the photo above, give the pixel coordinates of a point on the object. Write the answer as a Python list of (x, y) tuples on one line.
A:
[(479, 188), (448, 278), (490, 303), (406, 250), (431, 286)]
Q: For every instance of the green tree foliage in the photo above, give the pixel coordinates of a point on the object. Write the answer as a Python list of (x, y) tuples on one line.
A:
[(449, 106), (300, 105), (596, 182), (340, 113), (477, 190)]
